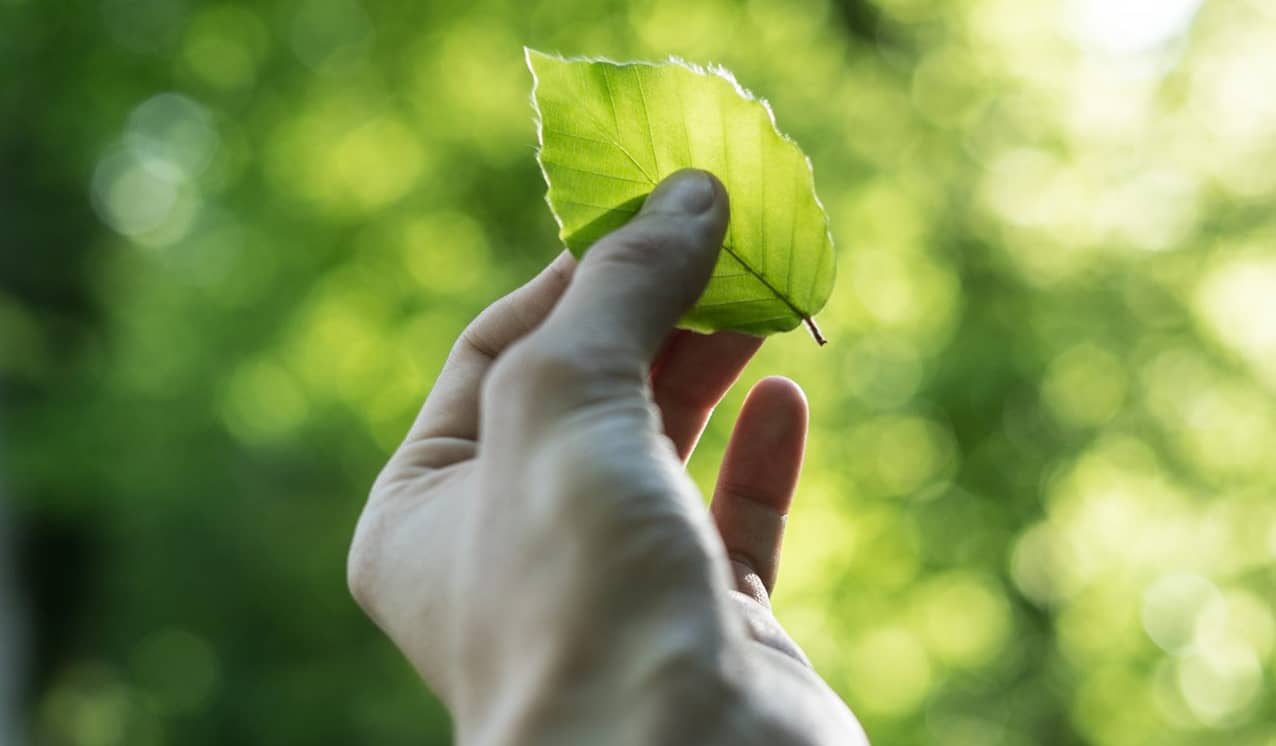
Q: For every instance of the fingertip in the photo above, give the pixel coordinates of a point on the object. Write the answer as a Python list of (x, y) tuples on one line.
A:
[(722, 200), (689, 191), (776, 412), (696, 202), (780, 391), (719, 214)]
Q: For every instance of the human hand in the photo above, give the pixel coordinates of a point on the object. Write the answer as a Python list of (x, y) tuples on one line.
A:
[(535, 547)]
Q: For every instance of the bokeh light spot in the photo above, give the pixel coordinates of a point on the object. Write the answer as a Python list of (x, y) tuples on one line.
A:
[(445, 251), (883, 370), (1130, 26), (1085, 386), (346, 156), (378, 162), (174, 129), (146, 26), (178, 669), (1173, 604), (904, 452), (471, 87), (892, 672), (262, 402), (225, 46), (90, 704), (1038, 564), (1220, 682), (331, 35), (145, 199), (963, 618), (1237, 303)]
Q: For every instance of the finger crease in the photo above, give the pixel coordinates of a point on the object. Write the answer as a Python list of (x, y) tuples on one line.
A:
[(753, 497)]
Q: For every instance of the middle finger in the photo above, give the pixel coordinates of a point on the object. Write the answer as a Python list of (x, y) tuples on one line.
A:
[(690, 377)]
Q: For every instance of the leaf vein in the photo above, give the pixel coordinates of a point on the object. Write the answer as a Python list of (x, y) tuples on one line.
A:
[(646, 116), (735, 302), (615, 118), (615, 145), (783, 297), (604, 208), (755, 322), (600, 174), (788, 276)]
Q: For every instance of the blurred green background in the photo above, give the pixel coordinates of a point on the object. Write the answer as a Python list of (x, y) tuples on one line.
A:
[(237, 240)]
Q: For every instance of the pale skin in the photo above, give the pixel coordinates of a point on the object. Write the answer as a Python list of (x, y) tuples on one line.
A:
[(535, 547)]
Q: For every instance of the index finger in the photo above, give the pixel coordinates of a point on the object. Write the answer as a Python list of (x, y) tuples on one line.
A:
[(448, 424)]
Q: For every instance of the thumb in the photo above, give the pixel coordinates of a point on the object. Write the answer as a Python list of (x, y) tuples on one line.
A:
[(635, 283)]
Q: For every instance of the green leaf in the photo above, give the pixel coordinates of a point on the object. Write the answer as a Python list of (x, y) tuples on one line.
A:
[(609, 132)]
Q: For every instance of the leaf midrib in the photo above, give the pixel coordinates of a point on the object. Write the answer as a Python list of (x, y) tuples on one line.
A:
[(783, 298)]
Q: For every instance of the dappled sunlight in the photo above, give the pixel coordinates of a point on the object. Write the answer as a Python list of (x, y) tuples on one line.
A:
[(331, 36), (1219, 683), (1237, 302), (224, 47), (1039, 502), (899, 455), (263, 401), (144, 198), (444, 252), (1173, 605), (1129, 26), (890, 672), (963, 617), (346, 158)]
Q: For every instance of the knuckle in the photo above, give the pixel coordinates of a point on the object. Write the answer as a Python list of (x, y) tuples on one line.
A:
[(475, 337), (541, 370), (537, 365)]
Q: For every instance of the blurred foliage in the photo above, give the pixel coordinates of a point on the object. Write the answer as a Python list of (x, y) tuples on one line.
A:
[(239, 239)]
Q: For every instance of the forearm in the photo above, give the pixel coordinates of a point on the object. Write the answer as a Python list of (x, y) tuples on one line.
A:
[(657, 678)]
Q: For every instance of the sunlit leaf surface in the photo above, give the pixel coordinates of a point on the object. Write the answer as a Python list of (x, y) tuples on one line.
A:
[(609, 132)]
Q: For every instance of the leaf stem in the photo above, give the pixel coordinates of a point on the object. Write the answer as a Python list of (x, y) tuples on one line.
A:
[(815, 330)]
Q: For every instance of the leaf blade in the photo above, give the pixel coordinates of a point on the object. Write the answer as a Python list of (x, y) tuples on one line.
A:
[(609, 132)]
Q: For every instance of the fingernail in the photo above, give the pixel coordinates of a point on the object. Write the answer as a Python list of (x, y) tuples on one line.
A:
[(689, 191)]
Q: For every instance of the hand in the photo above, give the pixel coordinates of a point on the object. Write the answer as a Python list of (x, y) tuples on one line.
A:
[(535, 547)]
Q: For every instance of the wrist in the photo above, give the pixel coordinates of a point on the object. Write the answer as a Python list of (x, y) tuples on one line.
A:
[(669, 682)]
